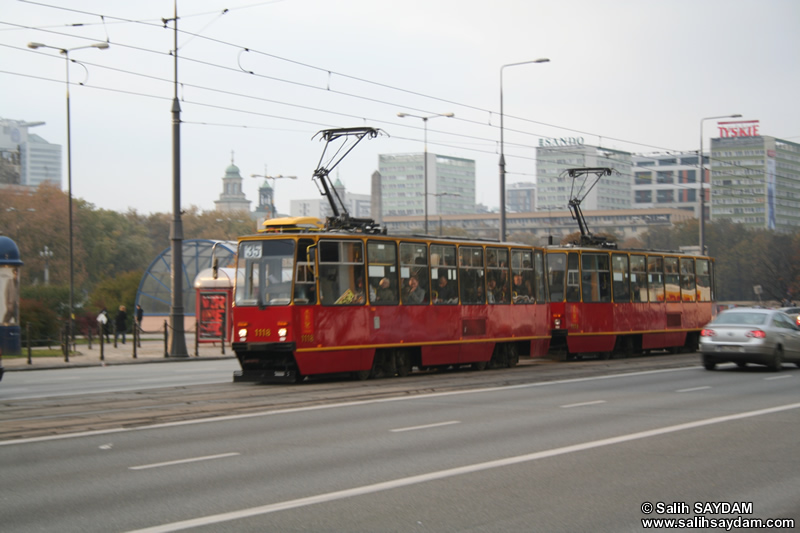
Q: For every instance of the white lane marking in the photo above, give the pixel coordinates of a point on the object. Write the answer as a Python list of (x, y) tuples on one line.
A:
[(356, 403), (778, 377), (184, 461), (57, 379), (582, 404), (693, 389), (427, 426), (451, 472)]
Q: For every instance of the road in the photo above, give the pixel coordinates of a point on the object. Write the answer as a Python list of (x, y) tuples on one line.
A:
[(563, 447), (113, 378)]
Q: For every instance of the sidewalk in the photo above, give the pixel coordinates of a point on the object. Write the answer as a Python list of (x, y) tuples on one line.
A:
[(151, 351)]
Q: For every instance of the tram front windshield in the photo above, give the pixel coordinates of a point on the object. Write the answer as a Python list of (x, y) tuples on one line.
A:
[(265, 271)]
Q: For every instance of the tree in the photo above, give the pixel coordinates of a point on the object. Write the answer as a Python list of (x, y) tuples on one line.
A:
[(39, 321), (113, 292)]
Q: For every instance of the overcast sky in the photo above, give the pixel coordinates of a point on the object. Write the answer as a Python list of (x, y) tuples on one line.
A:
[(261, 79)]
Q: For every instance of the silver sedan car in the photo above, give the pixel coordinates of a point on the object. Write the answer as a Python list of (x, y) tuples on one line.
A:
[(751, 335)]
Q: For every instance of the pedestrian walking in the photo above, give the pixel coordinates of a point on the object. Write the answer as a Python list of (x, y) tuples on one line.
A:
[(121, 323), (102, 324)]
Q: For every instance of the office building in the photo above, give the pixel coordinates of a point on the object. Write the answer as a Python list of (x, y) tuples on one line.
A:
[(668, 180), (28, 159), (556, 188), (521, 197), (358, 205), (755, 180), (451, 184)]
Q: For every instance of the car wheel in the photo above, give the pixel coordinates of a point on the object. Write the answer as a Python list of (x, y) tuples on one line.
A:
[(709, 363), (776, 363)]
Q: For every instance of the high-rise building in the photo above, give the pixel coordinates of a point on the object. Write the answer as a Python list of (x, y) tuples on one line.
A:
[(38, 160), (521, 197), (555, 188), (755, 180), (451, 184), (668, 180)]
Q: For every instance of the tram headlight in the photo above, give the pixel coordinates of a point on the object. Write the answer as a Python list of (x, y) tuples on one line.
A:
[(243, 334), (282, 334), (557, 323)]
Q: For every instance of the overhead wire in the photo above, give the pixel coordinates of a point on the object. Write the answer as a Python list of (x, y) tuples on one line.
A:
[(193, 35)]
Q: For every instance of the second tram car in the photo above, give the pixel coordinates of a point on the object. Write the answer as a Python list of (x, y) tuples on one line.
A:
[(625, 302)]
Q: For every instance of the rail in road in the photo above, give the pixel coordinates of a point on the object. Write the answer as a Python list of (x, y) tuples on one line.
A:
[(41, 417)]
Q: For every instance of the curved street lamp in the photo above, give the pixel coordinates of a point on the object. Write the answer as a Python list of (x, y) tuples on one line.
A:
[(502, 154), (65, 52), (425, 157)]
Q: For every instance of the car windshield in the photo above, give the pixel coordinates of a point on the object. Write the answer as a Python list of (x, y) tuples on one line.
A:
[(746, 319)]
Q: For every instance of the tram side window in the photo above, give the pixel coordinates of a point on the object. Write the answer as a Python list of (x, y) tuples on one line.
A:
[(444, 274), (539, 281), (557, 275), (672, 279), (621, 276), (703, 280), (688, 288), (595, 277), (573, 278), (497, 279), (655, 277), (341, 273), (382, 272), (305, 285), (414, 273), (638, 278), (470, 263), (522, 291)]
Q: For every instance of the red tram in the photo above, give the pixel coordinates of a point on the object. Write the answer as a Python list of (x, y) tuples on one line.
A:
[(320, 302), (344, 297)]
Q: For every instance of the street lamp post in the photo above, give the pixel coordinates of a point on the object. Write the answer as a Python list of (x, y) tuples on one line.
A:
[(502, 153), (65, 52), (425, 157), (273, 178), (46, 253), (702, 180)]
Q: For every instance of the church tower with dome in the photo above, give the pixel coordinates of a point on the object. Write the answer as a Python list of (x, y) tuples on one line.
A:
[(232, 198)]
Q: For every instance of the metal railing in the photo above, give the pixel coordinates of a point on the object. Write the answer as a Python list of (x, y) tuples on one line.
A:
[(68, 341)]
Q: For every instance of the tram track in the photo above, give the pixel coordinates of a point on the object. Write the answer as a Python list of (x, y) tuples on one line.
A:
[(39, 417)]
